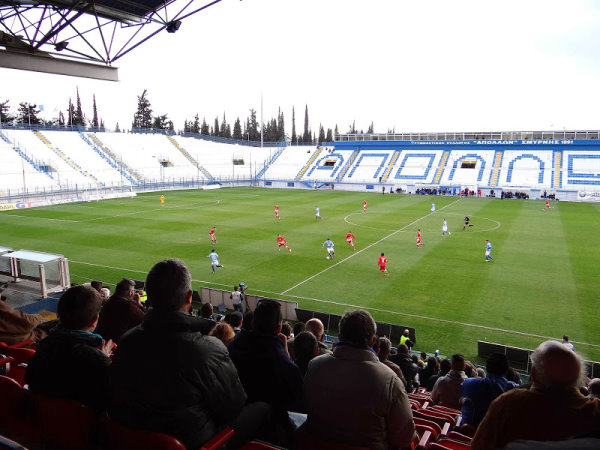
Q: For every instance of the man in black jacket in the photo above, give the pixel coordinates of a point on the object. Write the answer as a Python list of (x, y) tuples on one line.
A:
[(263, 362), (72, 362), (407, 366), (168, 377)]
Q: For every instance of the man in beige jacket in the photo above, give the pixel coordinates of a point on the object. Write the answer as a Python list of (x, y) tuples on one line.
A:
[(351, 398)]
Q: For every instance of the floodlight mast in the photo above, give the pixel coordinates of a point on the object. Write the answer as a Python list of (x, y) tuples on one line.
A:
[(84, 38)]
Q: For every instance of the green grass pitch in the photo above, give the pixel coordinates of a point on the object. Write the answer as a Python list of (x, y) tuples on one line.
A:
[(542, 283)]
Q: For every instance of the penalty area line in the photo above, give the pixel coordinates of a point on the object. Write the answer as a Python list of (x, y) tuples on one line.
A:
[(367, 247)]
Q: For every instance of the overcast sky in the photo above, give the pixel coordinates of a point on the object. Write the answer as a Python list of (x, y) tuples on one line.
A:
[(430, 65)]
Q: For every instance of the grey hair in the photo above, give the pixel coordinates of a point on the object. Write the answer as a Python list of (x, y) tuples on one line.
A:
[(544, 377)]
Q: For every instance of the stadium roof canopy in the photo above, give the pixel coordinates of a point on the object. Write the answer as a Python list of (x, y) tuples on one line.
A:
[(84, 37)]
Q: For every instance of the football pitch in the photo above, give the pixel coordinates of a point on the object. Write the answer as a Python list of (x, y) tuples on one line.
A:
[(542, 283)]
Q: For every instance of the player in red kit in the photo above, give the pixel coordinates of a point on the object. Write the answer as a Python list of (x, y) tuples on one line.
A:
[(281, 242), (364, 206), (211, 235), (419, 242), (277, 212), (351, 239), (547, 206), (382, 262)]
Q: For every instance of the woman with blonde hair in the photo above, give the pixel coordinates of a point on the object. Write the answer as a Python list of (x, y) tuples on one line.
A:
[(223, 332)]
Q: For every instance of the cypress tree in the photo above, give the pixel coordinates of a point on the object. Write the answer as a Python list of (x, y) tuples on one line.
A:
[(307, 135), (294, 137), (253, 126), (237, 129), (4, 112), (95, 114), (70, 113), (216, 131), (329, 137), (321, 134), (78, 116), (204, 129)]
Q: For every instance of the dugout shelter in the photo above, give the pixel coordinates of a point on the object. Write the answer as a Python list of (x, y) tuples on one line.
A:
[(49, 270)]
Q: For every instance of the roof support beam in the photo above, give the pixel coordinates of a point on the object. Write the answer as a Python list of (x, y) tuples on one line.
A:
[(46, 64)]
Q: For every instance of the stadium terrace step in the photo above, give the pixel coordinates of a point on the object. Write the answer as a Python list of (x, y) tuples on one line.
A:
[(498, 157), (129, 172), (309, 163), (185, 153), (346, 167), (271, 160), (441, 167), (37, 165), (390, 166), (557, 180), (66, 159)]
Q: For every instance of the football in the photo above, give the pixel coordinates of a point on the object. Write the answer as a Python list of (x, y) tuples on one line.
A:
[(328, 257)]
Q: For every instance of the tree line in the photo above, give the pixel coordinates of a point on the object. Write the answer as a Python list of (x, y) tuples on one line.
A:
[(274, 129), (29, 113)]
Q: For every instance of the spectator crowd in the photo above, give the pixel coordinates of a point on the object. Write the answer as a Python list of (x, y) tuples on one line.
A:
[(155, 366)]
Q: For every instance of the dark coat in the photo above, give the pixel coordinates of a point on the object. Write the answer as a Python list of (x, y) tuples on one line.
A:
[(117, 316), (168, 377), (408, 368), (267, 372), (68, 364)]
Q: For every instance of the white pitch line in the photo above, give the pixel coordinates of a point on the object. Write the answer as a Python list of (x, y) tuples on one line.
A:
[(38, 217), (349, 305), (367, 247), (452, 322)]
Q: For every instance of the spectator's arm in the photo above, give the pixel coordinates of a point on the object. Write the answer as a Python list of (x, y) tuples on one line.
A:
[(466, 410), (400, 425), (435, 393)]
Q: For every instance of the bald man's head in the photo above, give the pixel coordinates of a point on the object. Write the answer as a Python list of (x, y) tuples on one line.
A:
[(555, 366), (315, 326)]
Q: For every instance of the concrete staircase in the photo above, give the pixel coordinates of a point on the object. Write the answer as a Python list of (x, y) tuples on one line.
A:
[(185, 153), (390, 166), (309, 163), (66, 159)]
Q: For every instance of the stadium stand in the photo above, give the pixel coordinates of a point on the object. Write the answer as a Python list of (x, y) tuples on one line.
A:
[(488, 163)]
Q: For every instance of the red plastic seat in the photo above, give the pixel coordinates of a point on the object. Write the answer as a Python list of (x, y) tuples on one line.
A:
[(218, 440), (17, 413), (66, 424), (455, 435), (442, 423), (422, 429), (28, 343), (21, 355), (429, 423), (451, 444), (415, 404), (431, 413), (124, 438), (419, 398)]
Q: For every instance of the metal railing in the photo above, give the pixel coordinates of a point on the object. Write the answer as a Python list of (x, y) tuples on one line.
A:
[(474, 136)]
